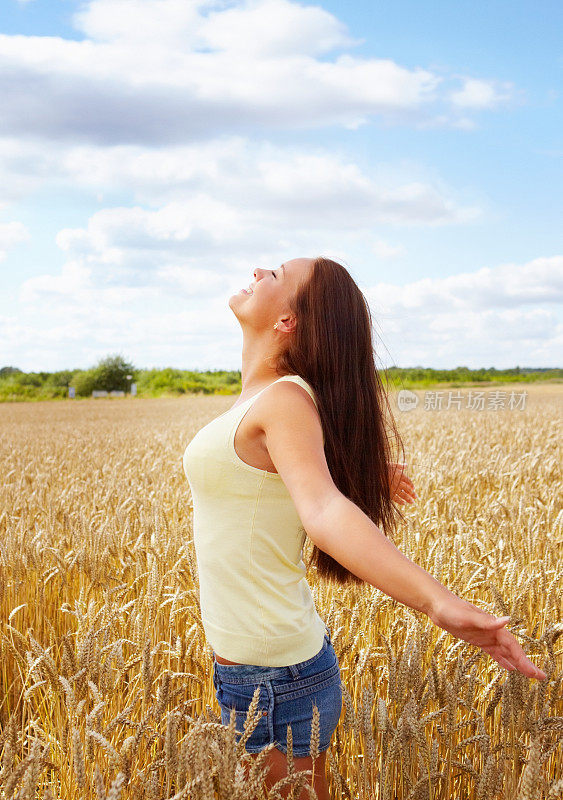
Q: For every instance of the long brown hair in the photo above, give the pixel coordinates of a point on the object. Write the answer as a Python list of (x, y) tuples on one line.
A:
[(332, 349)]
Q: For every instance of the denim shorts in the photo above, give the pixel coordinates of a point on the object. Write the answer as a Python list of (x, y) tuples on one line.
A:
[(286, 698)]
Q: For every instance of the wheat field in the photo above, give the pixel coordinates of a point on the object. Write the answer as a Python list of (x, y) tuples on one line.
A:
[(105, 672)]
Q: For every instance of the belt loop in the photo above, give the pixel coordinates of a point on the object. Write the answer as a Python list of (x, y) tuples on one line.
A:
[(328, 633), (294, 671)]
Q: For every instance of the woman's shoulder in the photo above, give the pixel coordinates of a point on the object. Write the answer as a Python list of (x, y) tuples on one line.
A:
[(301, 382), (288, 395), (291, 398)]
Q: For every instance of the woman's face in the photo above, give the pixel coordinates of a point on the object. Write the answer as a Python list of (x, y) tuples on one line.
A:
[(266, 300)]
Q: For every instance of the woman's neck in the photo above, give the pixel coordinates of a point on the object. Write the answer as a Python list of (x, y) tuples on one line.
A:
[(258, 363)]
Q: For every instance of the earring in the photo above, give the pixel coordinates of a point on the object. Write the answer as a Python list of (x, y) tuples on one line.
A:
[(276, 325)]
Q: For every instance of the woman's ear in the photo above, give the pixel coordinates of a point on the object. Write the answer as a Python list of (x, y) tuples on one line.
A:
[(287, 324)]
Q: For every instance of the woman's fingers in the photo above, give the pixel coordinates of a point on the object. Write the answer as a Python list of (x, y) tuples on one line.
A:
[(527, 667), (406, 494), (402, 498), (407, 486), (506, 650), (504, 663), (402, 486), (513, 660), (485, 631)]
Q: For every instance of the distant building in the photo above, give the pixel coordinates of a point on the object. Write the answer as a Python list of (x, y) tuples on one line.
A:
[(103, 393)]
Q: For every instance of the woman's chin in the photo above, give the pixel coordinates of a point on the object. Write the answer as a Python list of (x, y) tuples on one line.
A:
[(235, 300)]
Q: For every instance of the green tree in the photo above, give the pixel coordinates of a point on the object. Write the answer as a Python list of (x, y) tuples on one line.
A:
[(62, 378), (111, 373), (6, 371), (84, 382)]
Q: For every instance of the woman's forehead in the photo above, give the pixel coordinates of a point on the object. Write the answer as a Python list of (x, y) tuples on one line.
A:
[(297, 267)]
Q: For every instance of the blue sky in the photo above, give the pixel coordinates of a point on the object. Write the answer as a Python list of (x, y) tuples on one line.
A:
[(148, 168)]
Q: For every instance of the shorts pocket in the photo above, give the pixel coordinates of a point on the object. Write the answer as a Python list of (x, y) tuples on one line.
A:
[(239, 696), (299, 714), (260, 729), (260, 736)]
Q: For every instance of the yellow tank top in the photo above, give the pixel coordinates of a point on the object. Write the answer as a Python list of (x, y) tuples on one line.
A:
[(256, 604)]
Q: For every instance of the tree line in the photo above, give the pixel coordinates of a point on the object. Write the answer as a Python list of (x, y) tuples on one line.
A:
[(115, 373)]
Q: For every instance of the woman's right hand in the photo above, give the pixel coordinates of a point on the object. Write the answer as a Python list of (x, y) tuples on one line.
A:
[(467, 622)]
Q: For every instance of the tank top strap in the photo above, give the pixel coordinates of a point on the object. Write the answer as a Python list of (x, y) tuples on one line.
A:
[(302, 382), (245, 406)]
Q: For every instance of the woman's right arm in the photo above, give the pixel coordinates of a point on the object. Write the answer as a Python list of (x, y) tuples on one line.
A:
[(348, 535), (293, 437)]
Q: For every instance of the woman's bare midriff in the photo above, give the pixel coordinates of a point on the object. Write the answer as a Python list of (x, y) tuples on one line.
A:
[(224, 660)]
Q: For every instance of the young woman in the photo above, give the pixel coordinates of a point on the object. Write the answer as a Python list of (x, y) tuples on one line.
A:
[(305, 450)]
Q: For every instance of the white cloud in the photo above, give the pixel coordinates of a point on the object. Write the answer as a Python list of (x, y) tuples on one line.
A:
[(223, 208), (163, 71), (275, 28), (72, 321), (11, 233), (385, 250), (161, 111), (238, 205), (490, 316), (138, 229), (69, 286), (507, 285), (227, 192), (480, 94), (169, 23)]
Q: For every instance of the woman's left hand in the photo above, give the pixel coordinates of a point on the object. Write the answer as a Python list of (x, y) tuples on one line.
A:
[(402, 488), (467, 622)]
